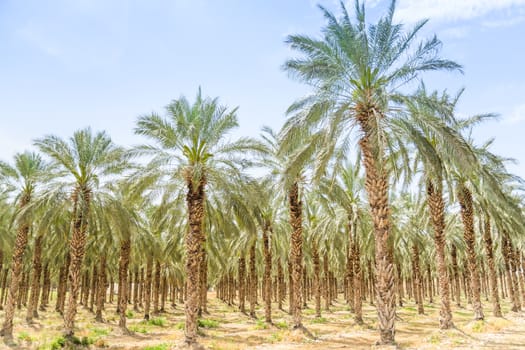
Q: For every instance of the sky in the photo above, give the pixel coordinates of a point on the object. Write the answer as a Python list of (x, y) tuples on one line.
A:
[(68, 64)]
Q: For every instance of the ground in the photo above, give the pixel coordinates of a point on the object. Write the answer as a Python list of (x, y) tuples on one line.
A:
[(225, 328)]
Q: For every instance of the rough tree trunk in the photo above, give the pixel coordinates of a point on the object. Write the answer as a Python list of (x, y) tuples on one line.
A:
[(32, 309), (296, 253), (437, 211), (81, 201), (487, 237), (125, 250), (317, 279), (267, 273), (16, 268), (376, 184), (242, 289), (467, 215), (195, 199)]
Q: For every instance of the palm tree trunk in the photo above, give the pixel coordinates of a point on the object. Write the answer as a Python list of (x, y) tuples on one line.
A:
[(454, 257), (518, 275), (147, 288), (487, 237), (417, 279), (32, 309), (101, 288), (317, 279), (18, 256), (125, 250), (326, 286), (156, 288), (267, 273), (195, 198), (358, 281), (376, 185), (511, 275), (44, 298), (467, 215), (437, 211), (242, 279), (296, 253), (349, 276), (141, 288), (81, 201), (62, 285), (252, 277), (203, 280), (93, 289), (136, 290), (290, 288), (281, 291)]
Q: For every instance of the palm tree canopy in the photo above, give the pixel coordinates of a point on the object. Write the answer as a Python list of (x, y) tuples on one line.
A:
[(192, 137), (28, 169), (356, 67), (85, 156)]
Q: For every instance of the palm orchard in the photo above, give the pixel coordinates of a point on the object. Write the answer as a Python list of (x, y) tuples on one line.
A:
[(371, 193)]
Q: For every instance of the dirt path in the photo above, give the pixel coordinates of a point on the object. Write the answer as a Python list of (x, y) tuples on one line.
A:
[(226, 328)]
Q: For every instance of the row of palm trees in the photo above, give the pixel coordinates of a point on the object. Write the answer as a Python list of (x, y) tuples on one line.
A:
[(175, 205)]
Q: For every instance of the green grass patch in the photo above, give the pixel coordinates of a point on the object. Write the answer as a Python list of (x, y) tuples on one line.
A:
[(276, 337), (282, 325), (157, 321), (157, 347), (309, 311), (206, 323), (57, 343), (130, 314), (180, 325), (260, 325), (24, 336), (478, 326), (138, 329), (99, 332), (319, 320)]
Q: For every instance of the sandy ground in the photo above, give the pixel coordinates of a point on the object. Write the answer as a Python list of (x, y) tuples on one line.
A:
[(229, 329)]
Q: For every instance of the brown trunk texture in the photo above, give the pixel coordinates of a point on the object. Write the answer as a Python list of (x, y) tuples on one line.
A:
[(467, 215), (296, 253), (195, 199), (437, 212), (494, 297), (376, 184), (16, 272)]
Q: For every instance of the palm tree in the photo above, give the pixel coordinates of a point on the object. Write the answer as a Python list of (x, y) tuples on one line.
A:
[(439, 147), (356, 71), (191, 148), (85, 161), (28, 170)]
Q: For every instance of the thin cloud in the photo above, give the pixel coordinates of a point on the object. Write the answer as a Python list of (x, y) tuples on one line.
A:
[(451, 10)]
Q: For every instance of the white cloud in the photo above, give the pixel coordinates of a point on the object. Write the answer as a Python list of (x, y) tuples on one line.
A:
[(517, 115), (451, 10), (508, 22), (455, 32)]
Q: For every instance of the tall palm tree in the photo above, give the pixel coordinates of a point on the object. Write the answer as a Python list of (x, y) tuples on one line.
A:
[(84, 161), (191, 149), (356, 70), (439, 147), (28, 170)]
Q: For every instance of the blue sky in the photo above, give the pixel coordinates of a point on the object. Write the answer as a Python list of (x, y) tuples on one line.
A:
[(67, 64)]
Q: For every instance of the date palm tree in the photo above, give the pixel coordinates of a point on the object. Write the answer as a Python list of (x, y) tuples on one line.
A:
[(356, 70), (191, 150), (430, 129), (28, 170), (84, 161)]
